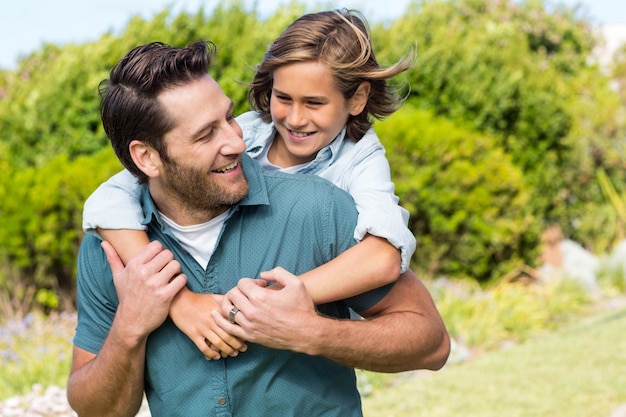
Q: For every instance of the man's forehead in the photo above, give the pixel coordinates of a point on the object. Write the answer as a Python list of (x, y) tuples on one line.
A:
[(196, 105)]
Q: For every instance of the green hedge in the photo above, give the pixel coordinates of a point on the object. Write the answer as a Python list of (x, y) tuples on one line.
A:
[(466, 198), (41, 210)]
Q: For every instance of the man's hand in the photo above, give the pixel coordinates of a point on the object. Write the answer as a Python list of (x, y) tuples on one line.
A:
[(145, 288), (273, 318), (191, 312)]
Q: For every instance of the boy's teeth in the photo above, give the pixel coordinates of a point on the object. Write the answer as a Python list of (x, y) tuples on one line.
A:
[(299, 134)]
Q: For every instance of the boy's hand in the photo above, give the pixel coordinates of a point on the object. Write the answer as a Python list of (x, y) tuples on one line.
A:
[(191, 312)]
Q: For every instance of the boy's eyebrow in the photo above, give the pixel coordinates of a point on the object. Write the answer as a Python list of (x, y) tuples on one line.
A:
[(276, 91)]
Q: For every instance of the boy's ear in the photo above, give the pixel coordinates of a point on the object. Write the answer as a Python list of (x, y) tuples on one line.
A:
[(359, 99), (146, 158)]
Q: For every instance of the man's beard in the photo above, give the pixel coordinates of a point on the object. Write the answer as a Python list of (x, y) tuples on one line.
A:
[(195, 189)]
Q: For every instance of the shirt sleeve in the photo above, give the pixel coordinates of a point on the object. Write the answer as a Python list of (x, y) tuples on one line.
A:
[(339, 232), (380, 213), (116, 204), (96, 298)]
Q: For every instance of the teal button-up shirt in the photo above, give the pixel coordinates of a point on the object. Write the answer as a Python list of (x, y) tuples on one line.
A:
[(294, 221)]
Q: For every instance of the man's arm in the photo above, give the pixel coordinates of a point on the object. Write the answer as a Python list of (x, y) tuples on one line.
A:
[(403, 331), (111, 382)]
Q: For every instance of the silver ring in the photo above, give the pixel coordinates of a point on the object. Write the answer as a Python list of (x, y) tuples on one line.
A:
[(231, 314)]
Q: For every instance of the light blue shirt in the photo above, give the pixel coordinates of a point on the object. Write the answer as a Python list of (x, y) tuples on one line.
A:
[(360, 168), (264, 230)]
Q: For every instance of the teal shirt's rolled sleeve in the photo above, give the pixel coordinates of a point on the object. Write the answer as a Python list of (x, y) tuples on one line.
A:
[(286, 220)]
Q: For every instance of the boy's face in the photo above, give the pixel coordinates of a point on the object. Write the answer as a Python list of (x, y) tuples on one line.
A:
[(308, 112)]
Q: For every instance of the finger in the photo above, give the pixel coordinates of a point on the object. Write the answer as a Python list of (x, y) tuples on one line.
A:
[(115, 262), (150, 251), (169, 270), (176, 284), (233, 298), (248, 288), (222, 342), (229, 327), (280, 276), (216, 355), (209, 351)]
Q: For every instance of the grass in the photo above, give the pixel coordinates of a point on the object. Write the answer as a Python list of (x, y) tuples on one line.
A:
[(577, 371), (35, 350)]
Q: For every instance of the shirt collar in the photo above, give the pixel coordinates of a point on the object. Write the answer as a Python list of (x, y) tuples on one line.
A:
[(324, 158), (257, 193)]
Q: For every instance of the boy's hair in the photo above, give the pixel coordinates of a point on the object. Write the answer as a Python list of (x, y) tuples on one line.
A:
[(339, 39), (129, 106)]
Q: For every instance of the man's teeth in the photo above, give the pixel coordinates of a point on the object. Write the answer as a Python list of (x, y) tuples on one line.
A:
[(227, 168)]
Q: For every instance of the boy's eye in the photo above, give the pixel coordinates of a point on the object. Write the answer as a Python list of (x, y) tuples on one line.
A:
[(282, 98)]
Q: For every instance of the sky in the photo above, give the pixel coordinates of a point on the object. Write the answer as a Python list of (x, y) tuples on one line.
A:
[(27, 24)]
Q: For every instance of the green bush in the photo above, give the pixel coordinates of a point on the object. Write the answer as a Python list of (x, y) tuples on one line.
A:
[(520, 72), (486, 319), (467, 200), (41, 212)]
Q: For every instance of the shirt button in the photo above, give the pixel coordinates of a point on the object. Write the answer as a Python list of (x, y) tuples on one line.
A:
[(222, 401)]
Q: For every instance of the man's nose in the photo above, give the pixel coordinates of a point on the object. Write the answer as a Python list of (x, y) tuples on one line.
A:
[(235, 143)]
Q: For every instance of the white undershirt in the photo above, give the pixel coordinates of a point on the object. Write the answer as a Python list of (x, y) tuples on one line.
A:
[(199, 239)]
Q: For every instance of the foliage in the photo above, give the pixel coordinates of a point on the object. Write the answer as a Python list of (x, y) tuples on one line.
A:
[(42, 215), (507, 121), (521, 73), (466, 199), (505, 312)]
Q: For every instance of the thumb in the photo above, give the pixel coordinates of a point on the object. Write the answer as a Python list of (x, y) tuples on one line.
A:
[(115, 262), (279, 275)]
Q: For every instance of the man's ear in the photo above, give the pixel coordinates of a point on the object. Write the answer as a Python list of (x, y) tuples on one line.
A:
[(146, 158), (359, 99)]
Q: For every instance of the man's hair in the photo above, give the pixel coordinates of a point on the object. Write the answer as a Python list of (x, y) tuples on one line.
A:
[(129, 106), (340, 40)]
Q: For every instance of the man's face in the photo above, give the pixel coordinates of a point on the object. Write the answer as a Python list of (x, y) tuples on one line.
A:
[(202, 169)]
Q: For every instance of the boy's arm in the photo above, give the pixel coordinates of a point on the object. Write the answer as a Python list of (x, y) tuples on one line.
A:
[(127, 242), (191, 312), (370, 264)]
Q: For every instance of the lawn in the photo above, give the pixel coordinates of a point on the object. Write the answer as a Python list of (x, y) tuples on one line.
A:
[(578, 371)]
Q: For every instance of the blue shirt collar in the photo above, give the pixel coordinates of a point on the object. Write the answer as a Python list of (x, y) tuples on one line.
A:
[(257, 193), (325, 156)]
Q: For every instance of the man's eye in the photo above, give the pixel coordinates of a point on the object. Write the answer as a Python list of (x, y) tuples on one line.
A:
[(208, 135)]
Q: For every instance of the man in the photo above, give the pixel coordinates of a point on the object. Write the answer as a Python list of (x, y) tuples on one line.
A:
[(172, 126)]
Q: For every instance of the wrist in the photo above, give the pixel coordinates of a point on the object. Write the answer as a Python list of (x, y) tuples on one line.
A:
[(127, 334), (313, 337)]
